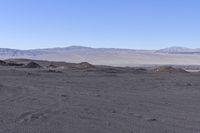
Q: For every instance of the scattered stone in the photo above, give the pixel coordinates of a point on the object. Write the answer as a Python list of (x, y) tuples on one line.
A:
[(152, 120), (1, 85), (63, 95), (33, 74), (97, 95), (114, 111), (188, 84), (30, 116), (54, 71)]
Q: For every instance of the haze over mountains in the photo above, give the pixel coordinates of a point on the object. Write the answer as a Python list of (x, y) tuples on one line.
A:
[(109, 56)]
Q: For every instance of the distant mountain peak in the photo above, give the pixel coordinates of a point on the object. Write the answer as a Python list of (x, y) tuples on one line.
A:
[(178, 50), (78, 47), (178, 47)]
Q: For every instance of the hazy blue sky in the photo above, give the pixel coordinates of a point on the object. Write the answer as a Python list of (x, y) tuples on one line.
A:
[(149, 24)]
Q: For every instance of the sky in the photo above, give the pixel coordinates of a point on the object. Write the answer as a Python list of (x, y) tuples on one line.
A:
[(135, 24)]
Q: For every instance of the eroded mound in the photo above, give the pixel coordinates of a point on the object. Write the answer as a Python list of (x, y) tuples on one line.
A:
[(84, 65), (170, 69), (33, 65), (51, 66)]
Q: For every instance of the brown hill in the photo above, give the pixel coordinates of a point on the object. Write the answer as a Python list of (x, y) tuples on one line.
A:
[(169, 69)]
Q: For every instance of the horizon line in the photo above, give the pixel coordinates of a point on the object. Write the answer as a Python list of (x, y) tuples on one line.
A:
[(94, 48)]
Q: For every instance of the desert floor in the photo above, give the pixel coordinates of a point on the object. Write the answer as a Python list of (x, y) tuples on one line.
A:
[(76, 101)]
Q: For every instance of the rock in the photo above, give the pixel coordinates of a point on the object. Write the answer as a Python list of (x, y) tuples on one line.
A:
[(152, 120)]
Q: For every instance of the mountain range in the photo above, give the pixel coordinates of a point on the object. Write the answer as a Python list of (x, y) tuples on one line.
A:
[(109, 56), (179, 50)]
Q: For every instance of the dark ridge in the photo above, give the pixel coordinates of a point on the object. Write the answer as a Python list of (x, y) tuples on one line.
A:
[(14, 64)]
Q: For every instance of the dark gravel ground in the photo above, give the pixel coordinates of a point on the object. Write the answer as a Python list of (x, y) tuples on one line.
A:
[(40, 101)]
